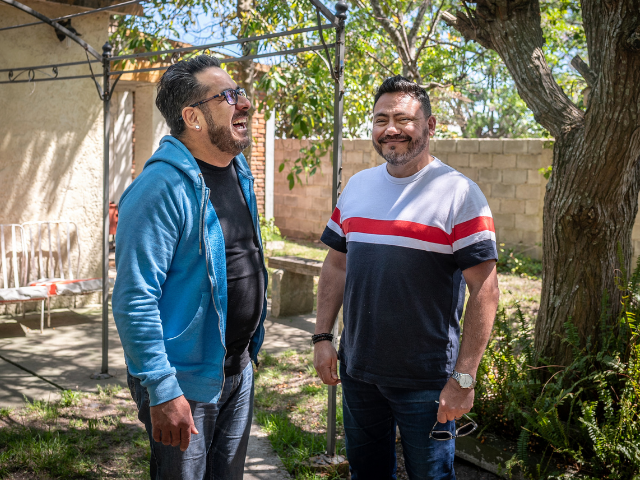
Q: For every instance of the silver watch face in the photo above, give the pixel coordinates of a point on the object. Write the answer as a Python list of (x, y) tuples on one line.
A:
[(465, 380)]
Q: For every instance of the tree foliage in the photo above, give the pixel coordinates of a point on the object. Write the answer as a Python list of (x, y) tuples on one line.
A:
[(472, 93)]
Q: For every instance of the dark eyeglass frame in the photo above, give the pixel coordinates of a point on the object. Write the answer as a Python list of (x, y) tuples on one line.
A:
[(230, 95), (451, 435)]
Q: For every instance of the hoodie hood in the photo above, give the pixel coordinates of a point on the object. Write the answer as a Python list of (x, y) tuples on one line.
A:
[(175, 153)]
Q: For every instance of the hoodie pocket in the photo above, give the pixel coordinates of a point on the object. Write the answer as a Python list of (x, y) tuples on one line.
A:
[(187, 347)]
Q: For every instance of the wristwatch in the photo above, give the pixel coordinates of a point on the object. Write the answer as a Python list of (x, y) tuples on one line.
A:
[(464, 379)]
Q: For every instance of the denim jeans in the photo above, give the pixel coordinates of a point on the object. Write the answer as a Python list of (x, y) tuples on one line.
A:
[(219, 450), (371, 413)]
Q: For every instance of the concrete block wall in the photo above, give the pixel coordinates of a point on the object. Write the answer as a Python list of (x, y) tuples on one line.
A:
[(505, 170)]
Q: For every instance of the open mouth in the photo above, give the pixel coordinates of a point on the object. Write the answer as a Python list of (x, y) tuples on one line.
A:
[(240, 124)]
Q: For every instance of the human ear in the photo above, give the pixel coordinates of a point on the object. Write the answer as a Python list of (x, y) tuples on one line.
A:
[(191, 118)]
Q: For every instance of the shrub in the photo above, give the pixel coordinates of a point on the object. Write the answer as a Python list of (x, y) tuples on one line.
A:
[(581, 420), (514, 263), (268, 230)]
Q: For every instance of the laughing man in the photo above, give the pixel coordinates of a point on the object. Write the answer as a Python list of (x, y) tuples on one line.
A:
[(189, 299)]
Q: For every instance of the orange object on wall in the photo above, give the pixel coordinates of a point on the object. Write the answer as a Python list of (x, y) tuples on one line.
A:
[(113, 218)]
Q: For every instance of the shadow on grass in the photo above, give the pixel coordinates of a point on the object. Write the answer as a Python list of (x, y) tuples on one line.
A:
[(67, 439)]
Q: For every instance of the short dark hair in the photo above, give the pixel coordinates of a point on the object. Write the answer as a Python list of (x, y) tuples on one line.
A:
[(179, 88), (404, 85)]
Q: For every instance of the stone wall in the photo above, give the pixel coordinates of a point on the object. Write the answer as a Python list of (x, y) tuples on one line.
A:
[(505, 170)]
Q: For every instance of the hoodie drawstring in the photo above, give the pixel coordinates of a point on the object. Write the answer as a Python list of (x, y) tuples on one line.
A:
[(201, 224)]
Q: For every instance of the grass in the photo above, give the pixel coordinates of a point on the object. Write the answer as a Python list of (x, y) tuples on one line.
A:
[(96, 436), (314, 250), (76, 436), (291, 406)]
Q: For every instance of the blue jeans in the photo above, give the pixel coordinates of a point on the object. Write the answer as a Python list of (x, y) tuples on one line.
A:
[(219, 450), (371, 413)]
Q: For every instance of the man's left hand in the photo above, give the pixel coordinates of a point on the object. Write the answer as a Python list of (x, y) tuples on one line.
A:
[(455, 401)]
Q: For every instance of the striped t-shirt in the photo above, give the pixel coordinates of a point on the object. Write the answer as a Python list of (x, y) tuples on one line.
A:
[(407, 242)]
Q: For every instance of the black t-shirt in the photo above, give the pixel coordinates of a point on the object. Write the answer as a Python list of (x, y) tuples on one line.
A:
[(245, 277)]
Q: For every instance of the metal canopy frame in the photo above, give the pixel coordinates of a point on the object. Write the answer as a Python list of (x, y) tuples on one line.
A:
[(105, 91)]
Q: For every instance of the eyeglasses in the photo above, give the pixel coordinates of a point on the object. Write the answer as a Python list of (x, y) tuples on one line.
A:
[(230, 95), (464, 430)]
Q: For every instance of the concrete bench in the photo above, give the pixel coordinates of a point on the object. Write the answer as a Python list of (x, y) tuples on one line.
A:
[(292, 285)]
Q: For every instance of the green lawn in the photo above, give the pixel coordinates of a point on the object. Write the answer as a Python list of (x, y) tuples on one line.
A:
[(291, 405), (75, 436)]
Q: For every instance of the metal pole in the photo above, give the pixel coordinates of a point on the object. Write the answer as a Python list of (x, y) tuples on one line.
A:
[(106, 101), (338, 110), (55, 25)]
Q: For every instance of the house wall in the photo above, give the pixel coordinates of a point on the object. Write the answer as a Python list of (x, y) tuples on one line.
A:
[(51, 133), (505, 170), (150, 126), (121, 144)]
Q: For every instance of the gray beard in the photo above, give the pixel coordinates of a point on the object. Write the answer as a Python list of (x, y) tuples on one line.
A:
[(222, 137), (414, 148)]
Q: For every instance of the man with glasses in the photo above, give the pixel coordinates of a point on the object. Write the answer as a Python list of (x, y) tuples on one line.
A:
[(405, 237), (190, 297)]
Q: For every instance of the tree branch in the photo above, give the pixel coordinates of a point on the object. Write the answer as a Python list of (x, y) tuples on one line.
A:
[(463, 24), (380, 17), (584, 70), (413, 33), (380, 63), (512, 29), (432, 29)]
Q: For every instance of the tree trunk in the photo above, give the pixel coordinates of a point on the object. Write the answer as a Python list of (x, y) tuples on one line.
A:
[(592, 197), (589, 210)]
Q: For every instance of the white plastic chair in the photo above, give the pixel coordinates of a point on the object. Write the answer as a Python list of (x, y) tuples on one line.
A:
[(60, 269), (14, 264)]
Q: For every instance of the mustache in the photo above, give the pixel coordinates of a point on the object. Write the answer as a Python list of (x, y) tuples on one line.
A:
[(394, 137)]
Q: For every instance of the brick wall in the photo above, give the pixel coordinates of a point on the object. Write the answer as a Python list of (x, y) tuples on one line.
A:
[(258, 158), (505, 170)]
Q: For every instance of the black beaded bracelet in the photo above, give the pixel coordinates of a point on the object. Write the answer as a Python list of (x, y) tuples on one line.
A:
[(319, 337)]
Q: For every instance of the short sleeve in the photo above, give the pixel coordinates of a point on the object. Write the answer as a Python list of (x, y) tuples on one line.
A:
[(333, 235), (474, 235)]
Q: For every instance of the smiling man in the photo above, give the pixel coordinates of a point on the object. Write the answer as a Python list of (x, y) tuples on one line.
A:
[(405, 238), (189, 299)]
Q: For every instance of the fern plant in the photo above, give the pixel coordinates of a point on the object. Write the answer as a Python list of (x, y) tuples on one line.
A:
[(576, 421)]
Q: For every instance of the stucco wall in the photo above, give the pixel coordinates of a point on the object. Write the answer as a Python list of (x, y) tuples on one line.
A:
[(121, 144), (51, 136), (150, 126), (505, 170)]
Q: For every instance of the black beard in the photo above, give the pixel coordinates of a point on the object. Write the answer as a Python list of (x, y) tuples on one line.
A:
[(414, 148), (222, 137)]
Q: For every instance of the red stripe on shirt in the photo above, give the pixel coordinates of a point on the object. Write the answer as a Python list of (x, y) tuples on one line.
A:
[(399, 228), (470, 227), (335, 216)]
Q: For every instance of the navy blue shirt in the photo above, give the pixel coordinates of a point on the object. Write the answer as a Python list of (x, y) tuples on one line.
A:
[(407, 241)]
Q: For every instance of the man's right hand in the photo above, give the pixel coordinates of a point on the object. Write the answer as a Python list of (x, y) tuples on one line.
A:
[(172, 423), (325, 359)]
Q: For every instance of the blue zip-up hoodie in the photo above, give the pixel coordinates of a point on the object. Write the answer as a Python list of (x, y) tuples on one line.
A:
[(170, 297)]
